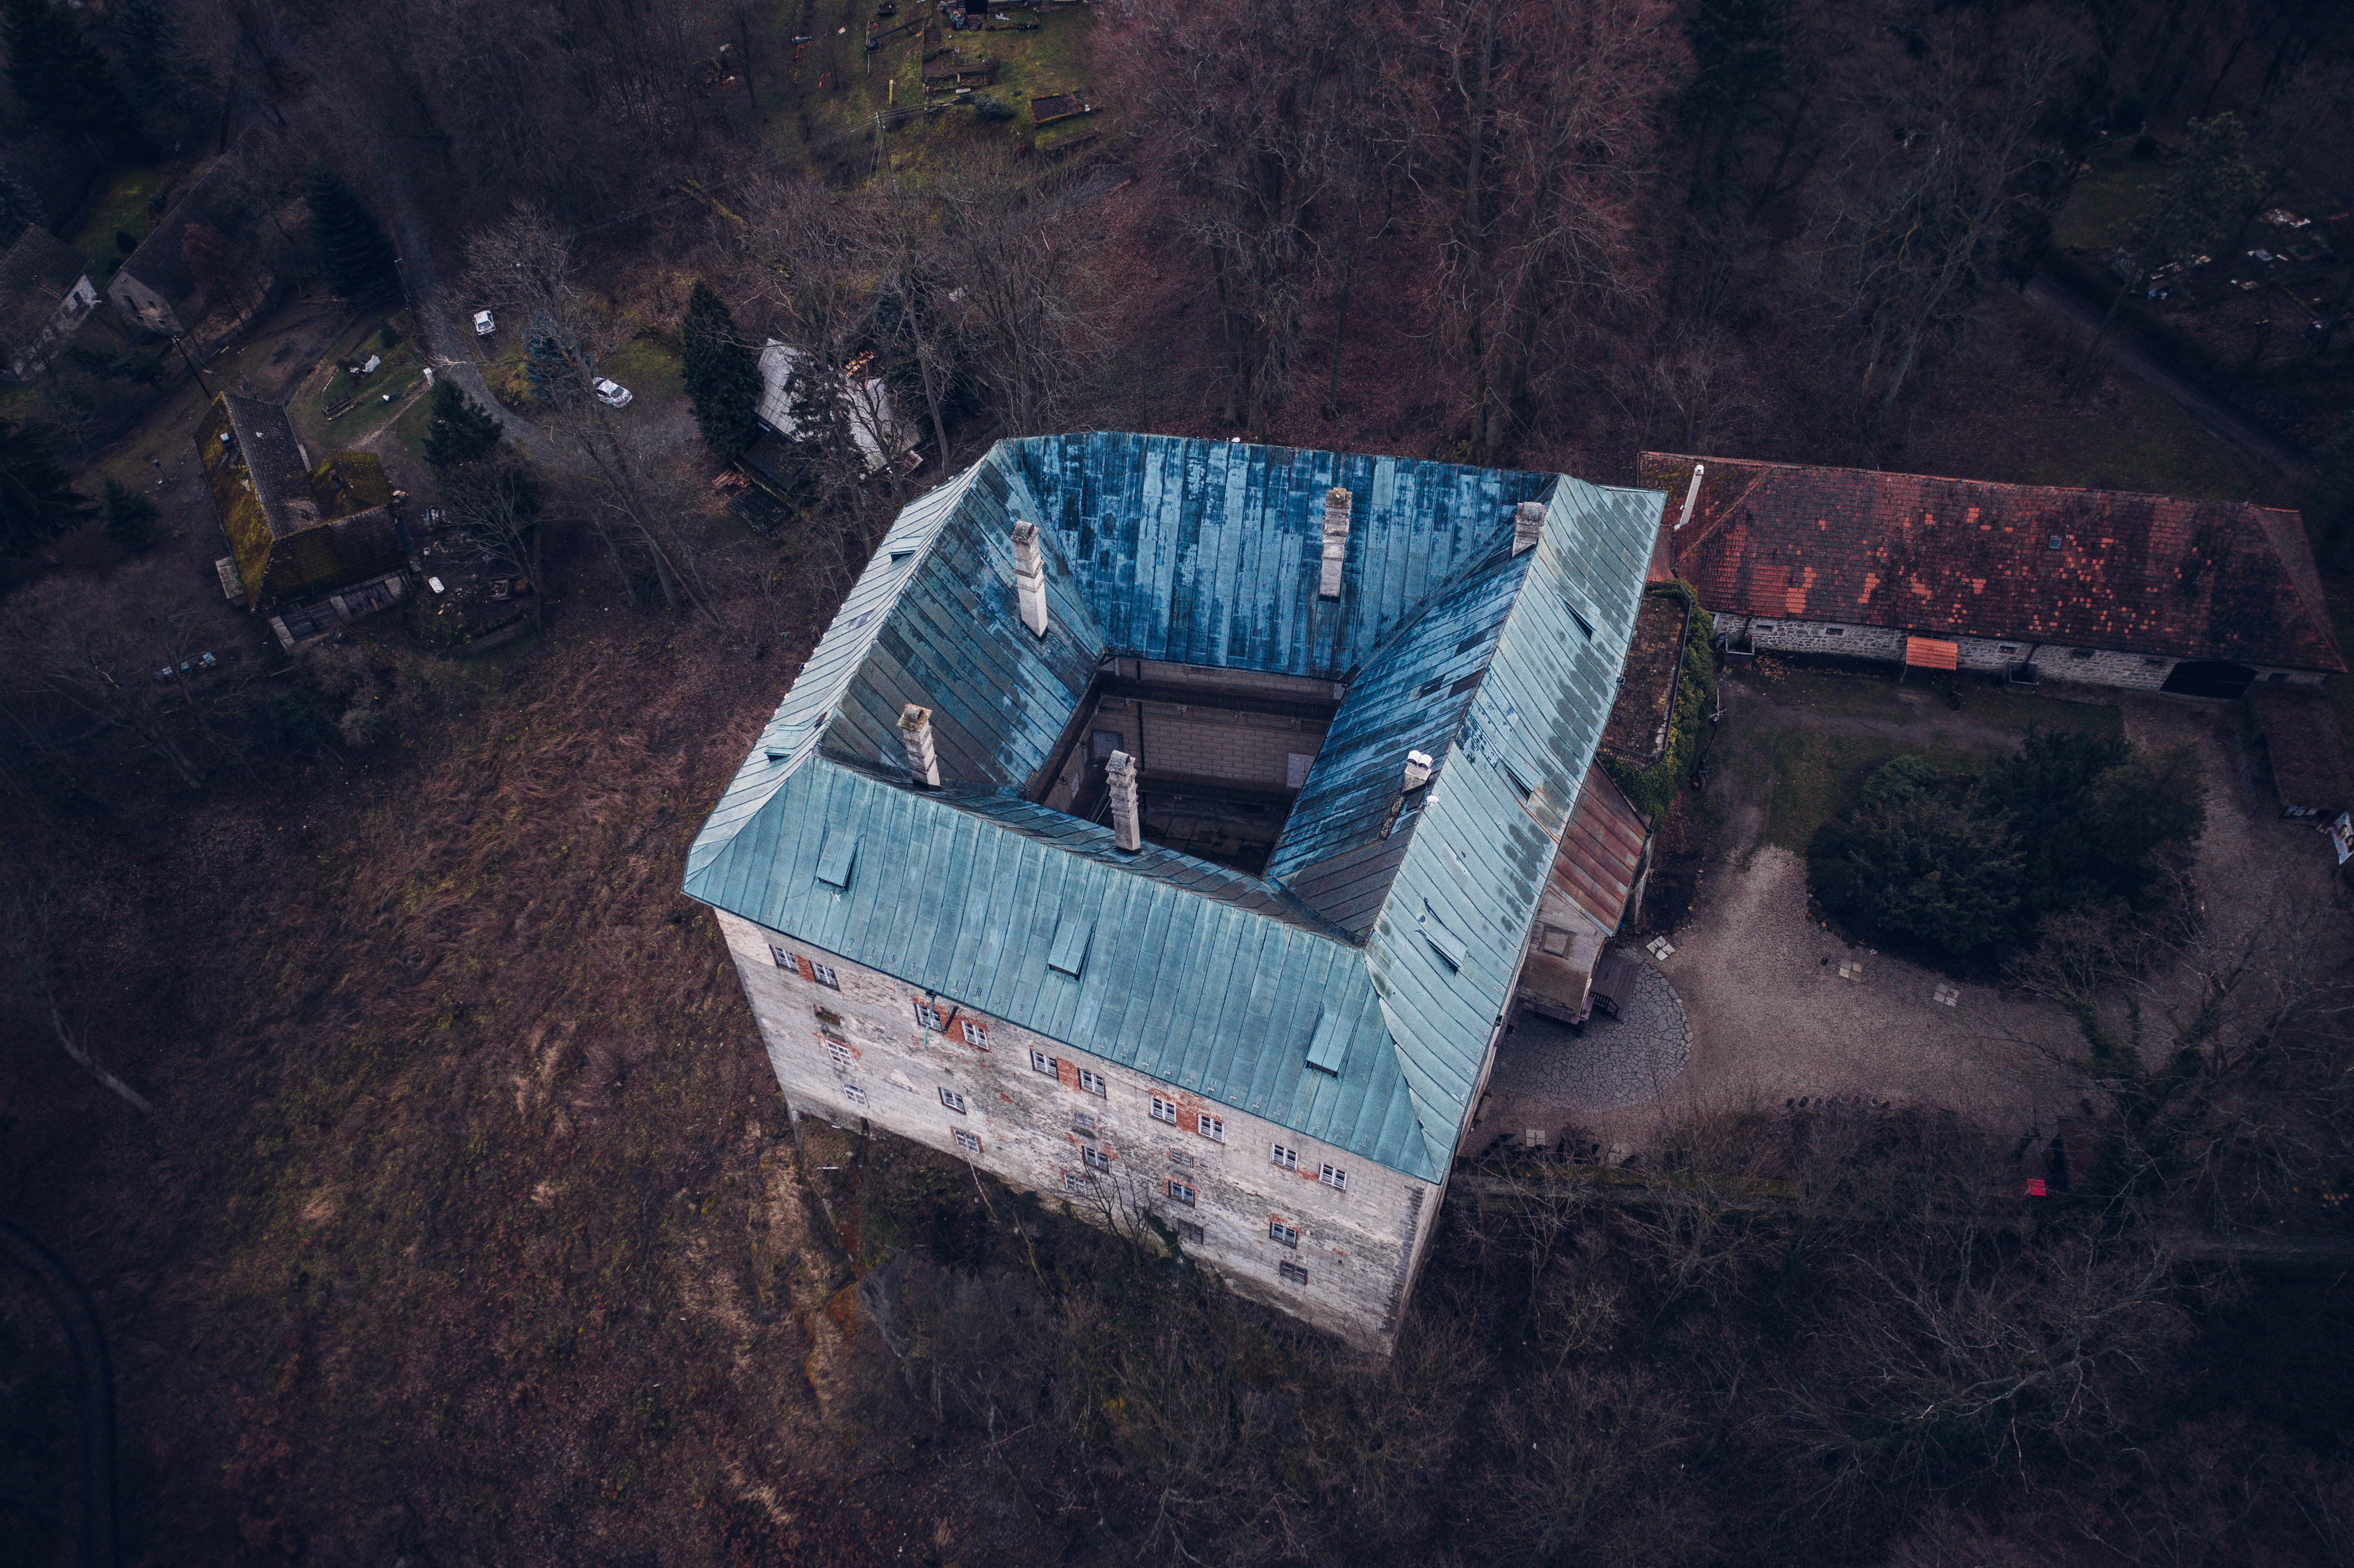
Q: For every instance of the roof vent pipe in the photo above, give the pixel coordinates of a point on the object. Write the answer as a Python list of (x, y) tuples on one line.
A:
[(1528, 525), (1691, 494), (1126, 822), (1336, 542), (1029, 577), (1417, 770), (916, 735)]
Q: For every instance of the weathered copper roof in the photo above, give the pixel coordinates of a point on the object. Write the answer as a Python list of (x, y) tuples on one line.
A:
[(1394, 951), (1946, 557)]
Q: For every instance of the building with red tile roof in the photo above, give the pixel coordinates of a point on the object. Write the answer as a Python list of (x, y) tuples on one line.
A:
[(2197, 597)]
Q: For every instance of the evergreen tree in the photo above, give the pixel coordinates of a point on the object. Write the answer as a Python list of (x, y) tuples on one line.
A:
[(458, 430), (61, 77), (165, 79), (20, 209), (354, 254), (37, 504), (129, 515), (723, 377), (553, 363)]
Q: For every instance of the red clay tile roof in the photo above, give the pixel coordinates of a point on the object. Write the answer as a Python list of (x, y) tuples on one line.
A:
[(1945, 558), (1601, 850), (2306, 747)]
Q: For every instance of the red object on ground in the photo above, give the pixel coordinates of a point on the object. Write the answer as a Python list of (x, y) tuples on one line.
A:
[(2034, 1189)]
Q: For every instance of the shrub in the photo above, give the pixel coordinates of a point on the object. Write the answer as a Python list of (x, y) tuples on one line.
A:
[(2145, 148), (990, 107), (129, 515)]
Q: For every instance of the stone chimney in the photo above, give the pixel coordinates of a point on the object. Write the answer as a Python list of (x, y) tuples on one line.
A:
[(1528, 525), (1417, 770), (1127, 821), (1336, 542), (916, 733), (1029, 577)]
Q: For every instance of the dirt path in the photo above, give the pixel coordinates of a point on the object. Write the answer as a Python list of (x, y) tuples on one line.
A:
[(2054, 299)]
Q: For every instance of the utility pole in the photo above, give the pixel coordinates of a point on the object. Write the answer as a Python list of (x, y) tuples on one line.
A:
[(182, 344)]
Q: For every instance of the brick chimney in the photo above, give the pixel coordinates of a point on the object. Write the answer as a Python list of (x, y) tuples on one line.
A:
[(916, 733), (1527, 524), (1336, 542), (1029, 577), (1127, 821)]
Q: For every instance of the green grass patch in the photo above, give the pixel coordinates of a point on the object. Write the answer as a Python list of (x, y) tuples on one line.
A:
[(2015, 711), (124, 207), (2102, 209), (1818, 775), (328, 385), (643, 366)]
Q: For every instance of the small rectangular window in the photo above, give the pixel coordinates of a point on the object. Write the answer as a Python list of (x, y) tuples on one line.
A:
[(785, 960), (823, 975), (1093, 1083), (1211, 1128), (1187, 1231), (928, 1016), (2080, 652), (1182, 1192), (1281, 1234), (1093, 1159), (1165, 1110), (1181, 1159), (1286, 1158), (1332, 1176), (1291, 1273), (1101, 744), (1041, 1062), (1835, 631), (1083, 1121), (953, 1100), (976, 1035), (853, 1093), (1074, 1183), (838, 1053), (965, 1141)]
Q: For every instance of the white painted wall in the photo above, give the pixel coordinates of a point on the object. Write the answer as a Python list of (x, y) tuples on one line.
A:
[(1358, 1247)]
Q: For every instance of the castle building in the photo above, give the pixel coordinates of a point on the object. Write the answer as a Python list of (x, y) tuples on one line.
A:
[(1163, 825)]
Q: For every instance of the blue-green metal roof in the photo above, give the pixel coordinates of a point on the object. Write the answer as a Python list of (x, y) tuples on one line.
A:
[(1390, 955)]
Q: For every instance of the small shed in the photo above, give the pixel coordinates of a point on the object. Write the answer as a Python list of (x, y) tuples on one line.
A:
[(2306, 748)]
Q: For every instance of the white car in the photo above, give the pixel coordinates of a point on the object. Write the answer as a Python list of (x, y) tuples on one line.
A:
[(612, 394), (483, 326)]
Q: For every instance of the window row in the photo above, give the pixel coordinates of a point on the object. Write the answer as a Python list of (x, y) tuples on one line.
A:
[(1087, 1123), (808, 968), (929, 1017)]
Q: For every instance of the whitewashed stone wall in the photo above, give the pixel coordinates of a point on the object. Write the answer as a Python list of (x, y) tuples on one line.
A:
[(1358, 1247), (2053, 661)]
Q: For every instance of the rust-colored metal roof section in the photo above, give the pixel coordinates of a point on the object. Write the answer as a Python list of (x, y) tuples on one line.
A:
[(1601, 851), (2036, 564), (1925, 653)]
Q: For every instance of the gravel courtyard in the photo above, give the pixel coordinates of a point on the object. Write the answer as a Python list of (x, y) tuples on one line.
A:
[(1772, 1020)]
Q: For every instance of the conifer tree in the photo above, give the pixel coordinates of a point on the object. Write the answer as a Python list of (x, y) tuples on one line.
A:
[(355, 257), (165, 79), (723, 376), (130, 516), (37, 504), (458, 430), (20, 209), (60, 76)]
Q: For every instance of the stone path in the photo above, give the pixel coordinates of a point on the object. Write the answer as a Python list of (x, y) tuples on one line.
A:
[(1617, 1062)]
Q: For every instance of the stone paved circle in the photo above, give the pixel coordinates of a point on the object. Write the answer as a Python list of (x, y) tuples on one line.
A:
[(1617, 1061)]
